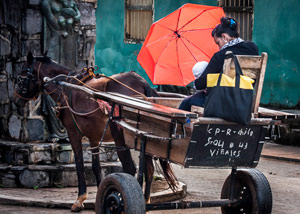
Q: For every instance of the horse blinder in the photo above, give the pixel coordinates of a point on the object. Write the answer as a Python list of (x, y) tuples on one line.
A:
[(23, 84)]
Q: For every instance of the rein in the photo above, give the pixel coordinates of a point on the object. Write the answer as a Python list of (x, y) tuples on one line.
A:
[(78, 113), (38, 75), (114, 79), (68, 106)]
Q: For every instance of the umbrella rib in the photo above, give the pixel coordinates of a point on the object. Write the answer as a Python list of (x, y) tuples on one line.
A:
[(189, 49), (178, 19), (176, 23), (164, 50), (161, 38), (177, 45), (194, 46), (196, 29), (164, 26), (178, 59), (196, 17)]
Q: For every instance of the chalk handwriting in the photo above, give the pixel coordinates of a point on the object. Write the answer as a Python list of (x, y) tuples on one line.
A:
[(218, 143), (225, 152), (227, 141), (228, 131)]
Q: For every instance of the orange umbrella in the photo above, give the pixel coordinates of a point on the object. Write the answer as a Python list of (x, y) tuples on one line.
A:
[(176, 42)]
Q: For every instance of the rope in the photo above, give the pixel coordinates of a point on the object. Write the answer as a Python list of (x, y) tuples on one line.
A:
[(114, 79), (48, 93), (78, 113)]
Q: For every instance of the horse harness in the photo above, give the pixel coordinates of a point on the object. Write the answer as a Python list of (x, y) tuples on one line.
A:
[(23, 83), (23, 92)]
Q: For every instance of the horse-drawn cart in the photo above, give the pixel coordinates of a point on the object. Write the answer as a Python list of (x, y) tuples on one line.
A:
[(185, 138), (191, 141)]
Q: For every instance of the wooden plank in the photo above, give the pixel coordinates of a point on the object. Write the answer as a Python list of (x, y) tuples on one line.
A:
[(262, 113), (259, 84), (171, 95), (155, 125), (140, 133), (271, 113), (166, 101), (134, 102), (161, 126), (159, 148), (254, 121), (250, 65)]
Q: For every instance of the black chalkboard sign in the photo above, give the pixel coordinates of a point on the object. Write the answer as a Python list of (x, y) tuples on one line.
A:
[(225, 145)]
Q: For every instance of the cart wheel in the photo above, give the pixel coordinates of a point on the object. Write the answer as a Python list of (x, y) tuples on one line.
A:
[(252, 190), (120, 193)]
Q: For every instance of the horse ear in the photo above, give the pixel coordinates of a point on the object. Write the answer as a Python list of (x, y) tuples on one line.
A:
[(29, 58), (45, 54)]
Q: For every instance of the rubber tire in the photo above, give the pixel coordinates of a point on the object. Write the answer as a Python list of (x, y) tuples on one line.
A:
[(256, 198), (131, 194)]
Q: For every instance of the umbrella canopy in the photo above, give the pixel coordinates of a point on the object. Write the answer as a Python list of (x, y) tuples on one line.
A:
[(176, 42)]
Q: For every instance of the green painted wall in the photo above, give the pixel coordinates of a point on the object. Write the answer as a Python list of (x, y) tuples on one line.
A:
[(112, 55), (277, 32)]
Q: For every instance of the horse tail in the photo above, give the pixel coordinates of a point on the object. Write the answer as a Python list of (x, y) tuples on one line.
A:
[(169, 174), (165, 165)]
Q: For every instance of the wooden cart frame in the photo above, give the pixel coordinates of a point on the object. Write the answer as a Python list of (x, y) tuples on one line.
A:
[(185, 138)]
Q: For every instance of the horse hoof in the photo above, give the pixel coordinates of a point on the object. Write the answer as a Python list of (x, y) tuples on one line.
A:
[(148, 201), (75, 208)]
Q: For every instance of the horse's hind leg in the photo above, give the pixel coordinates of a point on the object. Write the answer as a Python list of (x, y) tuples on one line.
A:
[(149, 171), (75, 141), (96, 167), (124, 155)]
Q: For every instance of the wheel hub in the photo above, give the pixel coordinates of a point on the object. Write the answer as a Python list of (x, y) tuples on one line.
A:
[(114, 203)]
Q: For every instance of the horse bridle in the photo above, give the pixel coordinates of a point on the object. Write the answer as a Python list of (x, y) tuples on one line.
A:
[(22, 86)]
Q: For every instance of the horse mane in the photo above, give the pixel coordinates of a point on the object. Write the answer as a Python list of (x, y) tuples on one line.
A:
[(45, 59), (132, 76), (55, 65)]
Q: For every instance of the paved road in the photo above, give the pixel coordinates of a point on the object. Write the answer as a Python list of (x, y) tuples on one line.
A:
[(206, 184)]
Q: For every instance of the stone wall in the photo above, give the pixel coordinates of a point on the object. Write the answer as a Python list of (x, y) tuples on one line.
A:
[(35, 165), (22, 30), (26, 158)]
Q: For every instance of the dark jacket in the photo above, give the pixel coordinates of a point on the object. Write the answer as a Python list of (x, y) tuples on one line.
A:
[(215, 65)]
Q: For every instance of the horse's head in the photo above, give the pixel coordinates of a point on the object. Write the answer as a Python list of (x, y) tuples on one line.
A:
[(28, 84)]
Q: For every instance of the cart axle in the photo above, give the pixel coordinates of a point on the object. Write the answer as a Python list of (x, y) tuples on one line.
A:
[(189, 204)]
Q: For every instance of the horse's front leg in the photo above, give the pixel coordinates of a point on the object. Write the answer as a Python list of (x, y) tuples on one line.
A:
[(75, 141)]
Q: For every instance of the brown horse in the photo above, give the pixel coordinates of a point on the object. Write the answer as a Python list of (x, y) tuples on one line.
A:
[(85, 118)]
